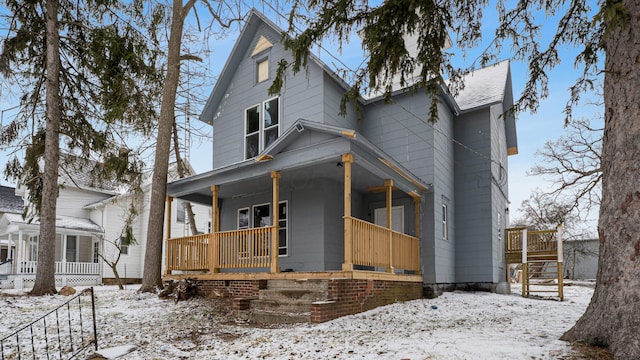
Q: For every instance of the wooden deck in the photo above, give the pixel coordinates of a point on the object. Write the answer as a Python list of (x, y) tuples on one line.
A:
[(316, 275), (540, 253)]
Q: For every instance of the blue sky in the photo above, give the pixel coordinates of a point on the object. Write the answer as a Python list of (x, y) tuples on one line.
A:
[(533, 129)]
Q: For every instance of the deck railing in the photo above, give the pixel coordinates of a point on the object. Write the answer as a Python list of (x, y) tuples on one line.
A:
[(537, 240), (377, 246), (247, 248), (62, 267), (188, 253)]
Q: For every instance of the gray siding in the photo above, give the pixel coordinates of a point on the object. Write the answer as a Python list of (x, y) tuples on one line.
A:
[(401, 130), (473, 198), (443, 191), (499, 190), (333, 93), (301, 97)]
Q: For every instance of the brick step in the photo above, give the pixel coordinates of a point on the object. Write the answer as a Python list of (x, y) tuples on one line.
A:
[(285, 295), (319, 285), (273, 317)]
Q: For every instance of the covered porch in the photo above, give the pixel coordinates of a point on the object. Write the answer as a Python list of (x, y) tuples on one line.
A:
[(76, 251), (349, 186)]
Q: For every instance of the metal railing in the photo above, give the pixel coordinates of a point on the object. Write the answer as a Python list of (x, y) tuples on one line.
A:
[(62, 333)]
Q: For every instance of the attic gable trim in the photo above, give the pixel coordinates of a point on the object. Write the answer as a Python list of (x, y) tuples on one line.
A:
[(262, 45)]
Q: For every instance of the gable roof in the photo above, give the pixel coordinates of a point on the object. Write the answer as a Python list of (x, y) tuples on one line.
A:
[(484, 87), (9, 201), (247, 35)]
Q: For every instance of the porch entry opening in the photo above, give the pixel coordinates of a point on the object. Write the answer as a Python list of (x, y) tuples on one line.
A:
[(260, 216), (397, 218)]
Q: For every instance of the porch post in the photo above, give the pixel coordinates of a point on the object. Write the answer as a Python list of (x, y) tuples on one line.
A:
[(63, 240), (275, 267), (388, 184), (21, 252), (214, 246), (416, 209), (169, 201), (347, 160)]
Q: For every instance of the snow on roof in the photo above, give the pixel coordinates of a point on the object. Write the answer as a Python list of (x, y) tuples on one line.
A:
[(484, 86), (62, 222), (9, 202)]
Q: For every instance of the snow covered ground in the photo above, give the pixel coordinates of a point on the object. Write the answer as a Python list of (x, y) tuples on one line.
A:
[(457, 325)]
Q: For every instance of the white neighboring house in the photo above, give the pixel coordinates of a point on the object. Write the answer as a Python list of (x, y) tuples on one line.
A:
[(89, 220)]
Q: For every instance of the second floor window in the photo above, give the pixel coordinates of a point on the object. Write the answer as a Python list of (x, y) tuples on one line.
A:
[(261, 127)]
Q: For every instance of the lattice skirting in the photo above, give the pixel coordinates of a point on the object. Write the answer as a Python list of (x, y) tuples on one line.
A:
[(27, 281)]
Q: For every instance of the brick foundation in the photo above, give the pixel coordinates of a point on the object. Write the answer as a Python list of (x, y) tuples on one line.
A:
[(350, 296), (230, 288), (344, 296)]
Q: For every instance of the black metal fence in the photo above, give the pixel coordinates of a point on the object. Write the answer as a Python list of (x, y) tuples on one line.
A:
[(62, 333)]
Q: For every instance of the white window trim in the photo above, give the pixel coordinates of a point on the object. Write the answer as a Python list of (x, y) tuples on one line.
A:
[(445, 222), (286, 228), (261, 128), (253, 212), (244, 127)]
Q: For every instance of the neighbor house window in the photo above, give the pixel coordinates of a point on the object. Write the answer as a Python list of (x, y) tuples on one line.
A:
[(261, 126), (445, 220), (180, 211), (72, 248), (33, 248), (262, 70), (124, 246), (96, 252)]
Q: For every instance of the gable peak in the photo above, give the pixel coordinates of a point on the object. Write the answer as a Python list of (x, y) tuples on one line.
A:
[(262, 45)]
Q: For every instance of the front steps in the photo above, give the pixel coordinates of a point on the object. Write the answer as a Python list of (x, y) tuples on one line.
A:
[(283, 302)]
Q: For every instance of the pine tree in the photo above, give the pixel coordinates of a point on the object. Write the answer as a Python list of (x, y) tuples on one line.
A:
[(87, 72), (611, 319)]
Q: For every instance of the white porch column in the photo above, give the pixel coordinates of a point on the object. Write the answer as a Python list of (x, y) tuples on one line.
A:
[(20, 252)]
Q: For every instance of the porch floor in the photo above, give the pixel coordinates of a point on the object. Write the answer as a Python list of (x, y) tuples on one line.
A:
[(319, 275)]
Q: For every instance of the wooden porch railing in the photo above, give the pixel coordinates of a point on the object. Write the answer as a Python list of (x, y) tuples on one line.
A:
[(247, 248), (188, 253), (371, 246), (537, 240)]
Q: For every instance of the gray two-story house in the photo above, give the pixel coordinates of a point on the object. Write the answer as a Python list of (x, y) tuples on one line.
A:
[(379, 200)]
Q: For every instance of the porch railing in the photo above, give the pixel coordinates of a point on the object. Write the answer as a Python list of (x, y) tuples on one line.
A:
[(83, 268), (188, 253), (233, 249), (247, 248), (537, 240), (378, 246)]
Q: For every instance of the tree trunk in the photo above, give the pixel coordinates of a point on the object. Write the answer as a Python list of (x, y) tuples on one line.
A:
[(152, 274), (613, 316), (180, 166), (45, 282)]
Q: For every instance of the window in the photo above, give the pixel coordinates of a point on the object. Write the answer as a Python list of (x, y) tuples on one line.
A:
[(261, 215), (180, 211), (282, 228), (33, 248), (243, 218), (72, 248), (262, 70), (261, 126), (96, 252), (445, 218), (124, 246)]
